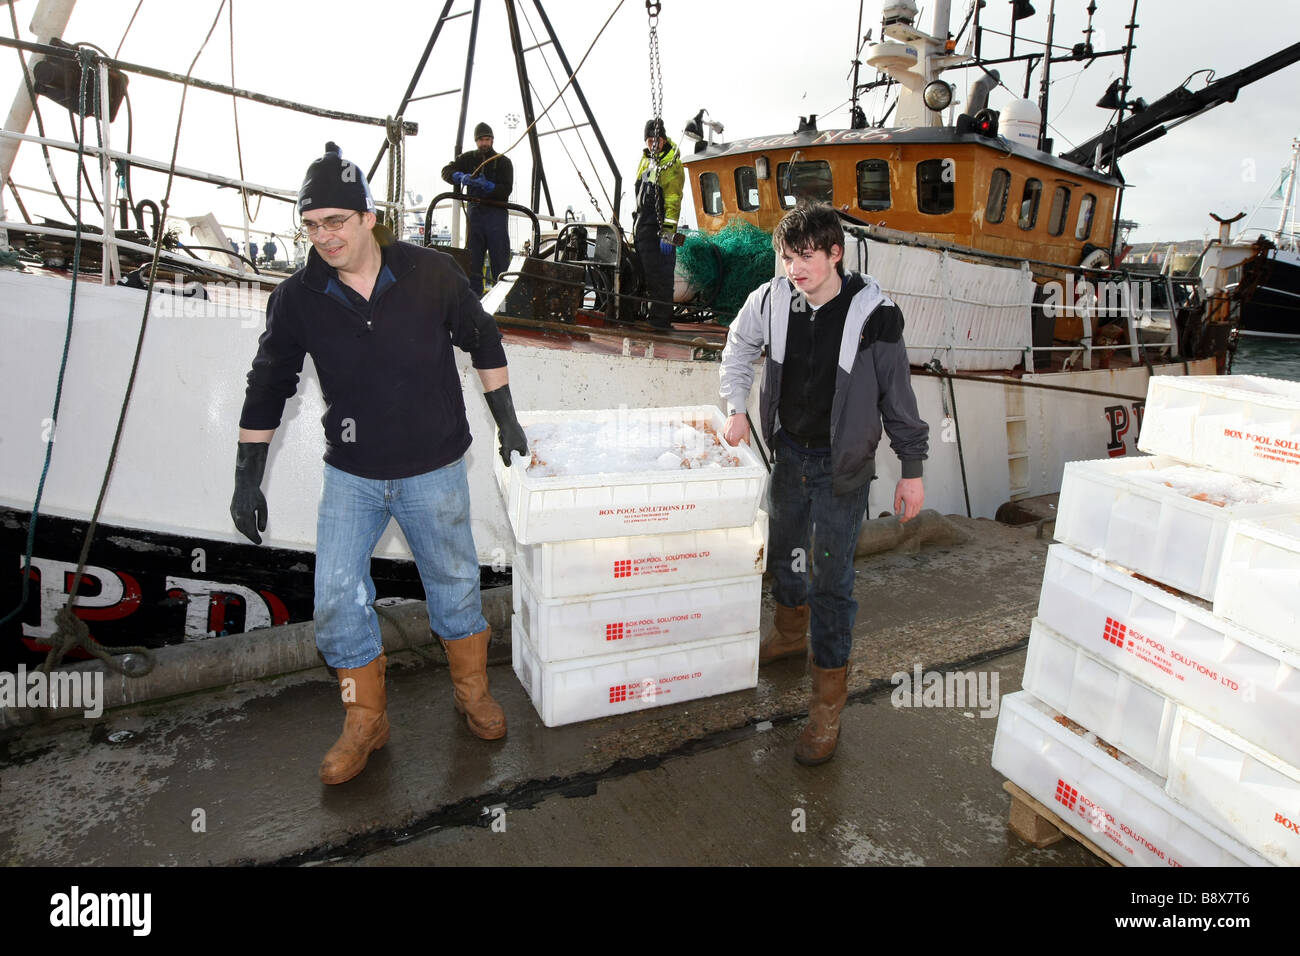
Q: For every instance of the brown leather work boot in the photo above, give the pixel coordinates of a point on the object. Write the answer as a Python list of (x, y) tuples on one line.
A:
[(365, 726), (467, 660), (829, 690), (789, 634)]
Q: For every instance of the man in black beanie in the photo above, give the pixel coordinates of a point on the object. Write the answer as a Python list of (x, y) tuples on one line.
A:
[(379, 318), (484, 175)]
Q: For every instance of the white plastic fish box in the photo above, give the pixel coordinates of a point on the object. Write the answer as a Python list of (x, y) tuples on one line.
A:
[(1116, 706), (594, 624), (1112, 509), (564, 692), (1259, 578), (1242, 424), (610, 505), (1245, 791), (560, 569), (1105, 795), (1237, 678)]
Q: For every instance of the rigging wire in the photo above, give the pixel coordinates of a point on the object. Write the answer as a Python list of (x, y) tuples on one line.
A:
[(81, 166), (18, 199), (234, 105), (62, 640), (539, 117), (53, 421), (129, 24), (573, 121)]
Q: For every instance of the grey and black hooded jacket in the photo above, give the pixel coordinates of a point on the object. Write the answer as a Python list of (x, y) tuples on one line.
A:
[(873, 385)]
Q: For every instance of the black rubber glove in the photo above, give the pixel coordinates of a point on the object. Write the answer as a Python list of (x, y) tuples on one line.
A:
[(248, 506), (502, 407)]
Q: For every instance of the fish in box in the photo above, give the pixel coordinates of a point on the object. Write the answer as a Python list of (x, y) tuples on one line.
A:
[(707, 485)]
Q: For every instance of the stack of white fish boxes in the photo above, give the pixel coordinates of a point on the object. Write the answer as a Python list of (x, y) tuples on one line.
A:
[(635, 589), (1162, 683)]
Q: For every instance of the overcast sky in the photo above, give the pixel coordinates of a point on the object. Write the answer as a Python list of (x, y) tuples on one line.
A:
[(756, 66)]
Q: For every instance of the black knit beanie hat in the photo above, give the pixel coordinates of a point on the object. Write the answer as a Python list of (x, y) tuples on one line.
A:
[(654, 127), (334, 183), (481, 130)]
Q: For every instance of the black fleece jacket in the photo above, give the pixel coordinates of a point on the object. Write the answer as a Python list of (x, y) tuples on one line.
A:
[(393, 401)]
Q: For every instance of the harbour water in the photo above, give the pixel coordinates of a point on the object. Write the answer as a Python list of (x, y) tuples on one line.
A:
[(1271, 358)]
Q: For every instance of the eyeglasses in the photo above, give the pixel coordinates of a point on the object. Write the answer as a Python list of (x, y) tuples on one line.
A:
[(329, 224)]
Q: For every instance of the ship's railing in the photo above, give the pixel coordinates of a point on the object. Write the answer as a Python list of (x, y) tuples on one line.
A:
[(1094, 296), (101, 66), (109, 238)]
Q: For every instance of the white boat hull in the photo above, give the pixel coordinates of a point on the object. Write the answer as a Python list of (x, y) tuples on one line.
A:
[(174, 468)]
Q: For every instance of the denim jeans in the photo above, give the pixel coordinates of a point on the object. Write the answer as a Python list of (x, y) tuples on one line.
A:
[(804, 512), (488, 238), (433, 512)]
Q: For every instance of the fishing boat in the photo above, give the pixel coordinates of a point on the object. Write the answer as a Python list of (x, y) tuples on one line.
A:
[(1258, 271), (1028, 351)]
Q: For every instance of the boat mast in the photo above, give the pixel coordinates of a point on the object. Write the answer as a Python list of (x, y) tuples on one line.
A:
[(1116, 239), (1047, 78), (1282, 223), (539, 183), (854, 111)]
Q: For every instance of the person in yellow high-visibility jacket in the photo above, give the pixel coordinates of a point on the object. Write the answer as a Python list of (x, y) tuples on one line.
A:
[(659, 182)]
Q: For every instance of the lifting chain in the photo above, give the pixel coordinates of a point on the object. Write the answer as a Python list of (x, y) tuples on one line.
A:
[(656, 76), (652, 8)]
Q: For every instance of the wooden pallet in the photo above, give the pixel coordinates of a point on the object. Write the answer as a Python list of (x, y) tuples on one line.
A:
[(1038, 826)]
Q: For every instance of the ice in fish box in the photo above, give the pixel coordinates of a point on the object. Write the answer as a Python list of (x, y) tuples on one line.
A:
[(625, 445), (1215, 488)]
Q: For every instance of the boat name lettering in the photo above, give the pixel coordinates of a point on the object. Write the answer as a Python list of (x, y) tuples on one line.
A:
[(827, 137)]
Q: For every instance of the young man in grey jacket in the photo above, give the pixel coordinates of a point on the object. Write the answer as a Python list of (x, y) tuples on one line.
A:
[(835, 376)]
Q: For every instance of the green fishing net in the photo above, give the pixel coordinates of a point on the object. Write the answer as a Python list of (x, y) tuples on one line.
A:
[(726, 267)]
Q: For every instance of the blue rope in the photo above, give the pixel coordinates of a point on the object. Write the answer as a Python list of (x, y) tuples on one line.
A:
[(85, 59)]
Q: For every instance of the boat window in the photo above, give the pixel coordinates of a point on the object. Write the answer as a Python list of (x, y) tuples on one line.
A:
[(999, 188), (804, 180), (934, 186), (873, 184), (746, 188), (711, 193), (1084, 229), (1060, 211), (1029, 203)]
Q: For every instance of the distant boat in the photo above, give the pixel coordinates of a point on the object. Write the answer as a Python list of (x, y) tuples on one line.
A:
[(1263, 274)]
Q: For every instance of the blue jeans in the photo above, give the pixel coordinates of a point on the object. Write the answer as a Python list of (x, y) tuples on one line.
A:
[(433, 512), (804, 512), (487, 235)]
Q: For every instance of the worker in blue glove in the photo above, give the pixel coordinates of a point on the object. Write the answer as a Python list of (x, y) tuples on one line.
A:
[(483, 174), (659, 182)]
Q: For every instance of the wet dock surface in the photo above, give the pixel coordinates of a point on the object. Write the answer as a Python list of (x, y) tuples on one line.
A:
[(230, 776)]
